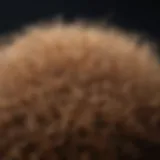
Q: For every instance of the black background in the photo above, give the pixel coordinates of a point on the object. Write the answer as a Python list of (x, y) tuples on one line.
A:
[(137, 15)]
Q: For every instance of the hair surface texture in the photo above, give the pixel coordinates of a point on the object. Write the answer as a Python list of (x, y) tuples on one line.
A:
[(76, 92)]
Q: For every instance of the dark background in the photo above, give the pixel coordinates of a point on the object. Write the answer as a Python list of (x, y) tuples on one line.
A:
[(135, 15)]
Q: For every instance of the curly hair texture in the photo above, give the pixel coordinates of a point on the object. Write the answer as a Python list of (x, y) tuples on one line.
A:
[(76, 92)]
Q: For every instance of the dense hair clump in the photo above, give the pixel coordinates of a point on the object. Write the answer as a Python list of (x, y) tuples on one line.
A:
[(70, 92)]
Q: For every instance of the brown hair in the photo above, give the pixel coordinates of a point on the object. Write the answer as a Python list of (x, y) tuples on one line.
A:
[(70, 92)]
